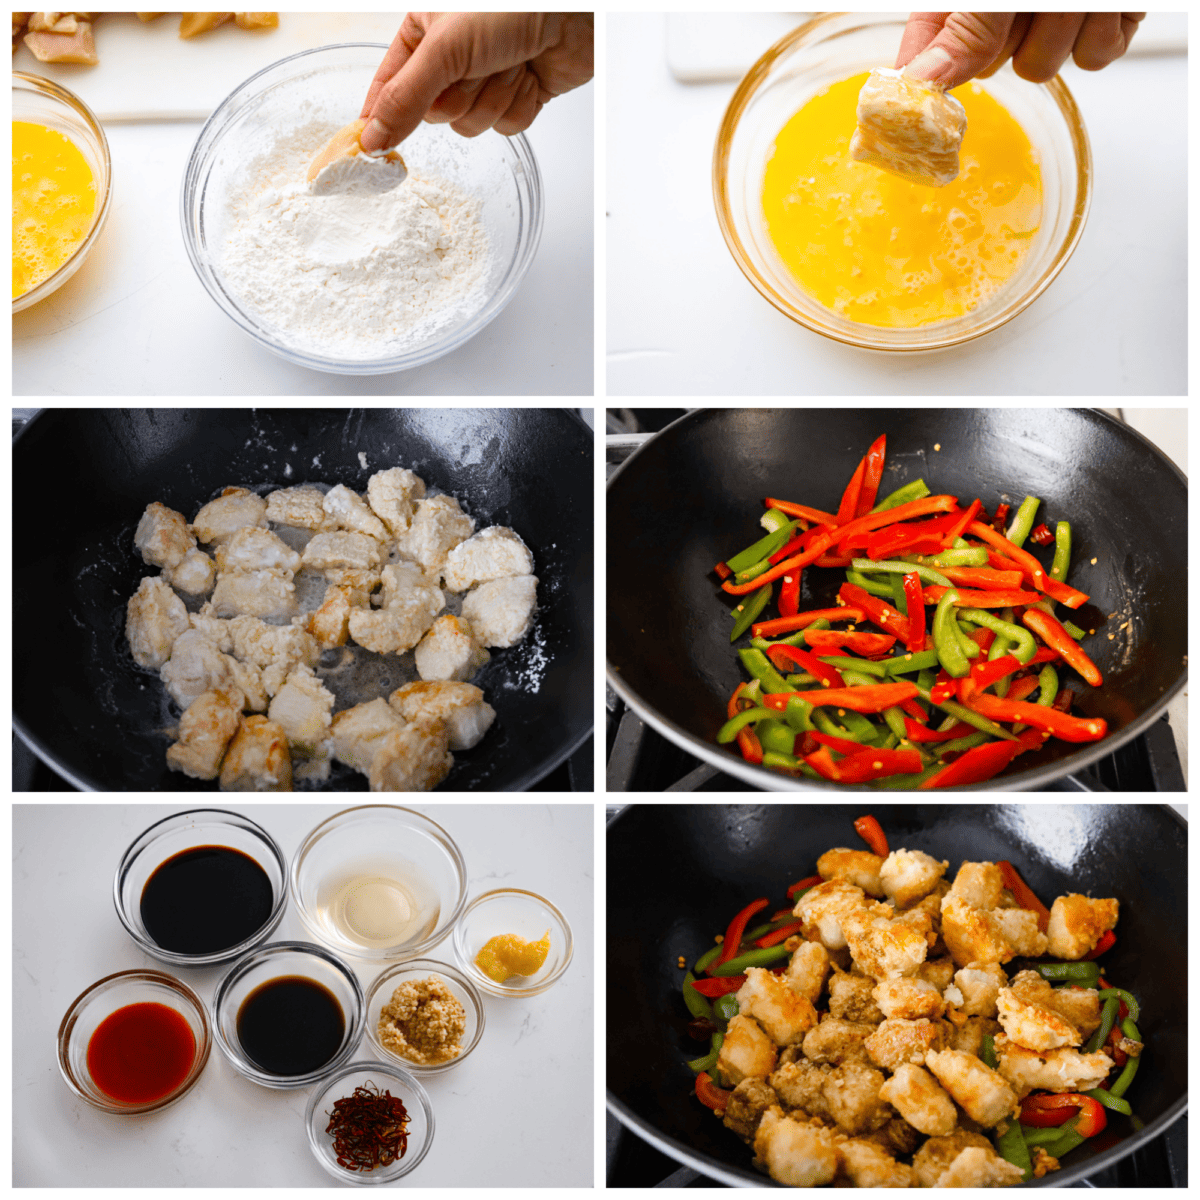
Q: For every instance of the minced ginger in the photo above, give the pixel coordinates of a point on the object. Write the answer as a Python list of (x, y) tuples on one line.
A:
[(423, 1022)]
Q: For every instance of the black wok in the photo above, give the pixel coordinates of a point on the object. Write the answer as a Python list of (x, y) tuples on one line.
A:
[(677, 873), (693, 494), (82, 478)]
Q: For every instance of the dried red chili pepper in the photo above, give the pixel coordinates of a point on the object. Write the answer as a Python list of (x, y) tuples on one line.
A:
[(369, 1129)]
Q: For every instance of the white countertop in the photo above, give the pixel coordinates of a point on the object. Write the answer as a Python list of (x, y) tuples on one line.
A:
[(682, 320), (135, 320), (517, 1113)]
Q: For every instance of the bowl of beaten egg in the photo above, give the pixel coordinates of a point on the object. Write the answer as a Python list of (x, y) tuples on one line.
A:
[(870, 259), (62, 178)]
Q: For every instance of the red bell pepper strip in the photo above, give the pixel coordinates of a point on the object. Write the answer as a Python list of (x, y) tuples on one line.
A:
[(1060, 725), (943, 687), (874, 473), (1057, 638), (801, 510), (914, 710), (733, 935), (1043, 654), (848, 509), (915, 638), (866, 765), (884, 543), (1029, 565), (789, 595), (818, 547), (1023, 894), (956, 530), (984, 674), (747, 739), (919, 733), (893, 516), (804, 885), (1064, 593), (864, 644), (870, 698), (780, 656), (1019, 689), (1064, 700), (801, 541), (976, 765), (844, 612), (710, 1095), (1107, 941), (882, 613), (779, 935), (1046, 1111), (871, 832), (1001, 518), (983, 577), (720, 985), (969, 598), (1042, 535), (841, 745)]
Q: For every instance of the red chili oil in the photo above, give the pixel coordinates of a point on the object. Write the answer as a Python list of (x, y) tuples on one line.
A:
[(141, 1053), (291, 1025)]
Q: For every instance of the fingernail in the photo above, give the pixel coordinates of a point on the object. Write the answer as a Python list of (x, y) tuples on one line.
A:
[(931, 65), (376, 135)]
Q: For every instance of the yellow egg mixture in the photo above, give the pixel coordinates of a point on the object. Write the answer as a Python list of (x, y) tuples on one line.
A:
[(54, 202), (882, 251)]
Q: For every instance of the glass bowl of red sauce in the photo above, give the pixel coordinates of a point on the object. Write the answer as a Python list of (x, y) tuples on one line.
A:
[(134, 1042)]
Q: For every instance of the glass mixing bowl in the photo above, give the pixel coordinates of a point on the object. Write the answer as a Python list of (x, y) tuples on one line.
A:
[(50, 104), (332, 80), (832, 48)]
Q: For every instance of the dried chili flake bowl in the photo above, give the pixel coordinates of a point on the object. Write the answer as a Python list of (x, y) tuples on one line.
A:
[(357, 1129)]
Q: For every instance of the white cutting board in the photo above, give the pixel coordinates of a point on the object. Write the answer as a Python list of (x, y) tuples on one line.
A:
[(148, 72)]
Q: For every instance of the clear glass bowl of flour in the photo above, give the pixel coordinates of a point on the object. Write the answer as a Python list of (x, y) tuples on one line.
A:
[(253, 141)]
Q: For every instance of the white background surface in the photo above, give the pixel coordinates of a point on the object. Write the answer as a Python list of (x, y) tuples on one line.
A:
[(682, 320), (135, 320), (518, 1112)]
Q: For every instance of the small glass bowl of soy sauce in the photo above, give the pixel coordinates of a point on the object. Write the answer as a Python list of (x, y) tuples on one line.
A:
[(288, 1014), (201, 887)]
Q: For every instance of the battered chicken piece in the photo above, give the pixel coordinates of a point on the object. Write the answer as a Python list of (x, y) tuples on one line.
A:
[(968, 1037), (852, 1093), (984, 1094), (746, 1053), (234, 509), (938, 971), (1077, 924), (257, 759), (330, 624), (808, 969), (303, 708), (747, 1103), (1020, 928), (909, 875), (268, 595), (437, 527), (298, 507), (412, 759), (857, 867), (867, 1165), (342, 550), (1080, 1006), (358, 731), (823, 907), (493, 553), (978, 985), (979, 884), (501, 612), (795, 1153), (216, 629), (205, 731), (852, 997), (802, 1085), (391, 494), (163, 536), (348, 510), (920, 1100), (358, 583), (249, 678), (255, 549), (274, 649), (935, 1156), (196, 666), (401, 623), (785, 1015), (461, 706), (887, 947), (974, 935), (1032, 1025), (909, 998), (194, 574), (837, 1041), (1062, 1070), (899, 1041), (155, 617), (896, 1137), (980, 1167)]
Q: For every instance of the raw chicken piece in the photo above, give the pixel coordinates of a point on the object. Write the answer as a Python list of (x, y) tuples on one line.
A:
[(358, 731), (302, 707), (255, 549), (163, 536), (275, 649), (449, 651), (468, 716), (493, 553), (257, 759), (205, 730), (348, 510), (501, 612), (196, 666), (412, 759), (155, 617), (194, 574), (391, 494), (268, 595), (438, 526), (234, 509), (342, 550), (298, 507)]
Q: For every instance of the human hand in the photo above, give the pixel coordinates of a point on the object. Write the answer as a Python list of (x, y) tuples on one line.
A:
[(950, 48), (476, 71)]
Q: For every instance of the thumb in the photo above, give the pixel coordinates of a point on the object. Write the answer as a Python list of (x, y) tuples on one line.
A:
[(966, 44), (404, 100)]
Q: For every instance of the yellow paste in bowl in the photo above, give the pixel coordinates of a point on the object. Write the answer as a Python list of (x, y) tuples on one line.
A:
[(54, 203), (508, 955), (882, 251)]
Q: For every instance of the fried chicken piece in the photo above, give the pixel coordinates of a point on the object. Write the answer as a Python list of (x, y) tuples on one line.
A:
[(501, 612), (837, 1041), (302, 708), (268, 595), (747, 1103), (461, 706), (348, 510), (935, 1156), (852, 997), (746, 1053), (979, 884), (909, 998), (980, 1167), (438, 525), (801, 1085), (857, 867), (235, 508), (969, 1036), (909, 875), (493, 553), (899, 1041), (918, 1097), (807, 970), (274, 649), (155, 617), (205, 731), (1061, 1070), (887, 947), (823, 907), (1077, 924), (338, 549), (162, 536), (852, 1093), (866, 1164), (391, 494), (412, 759), (785, 1015), (253, 548), (796, 1154), (298, 507), (978, 986), (1030, 1022), (358, 731), (257, 759), (984, 1094), (195, 574)]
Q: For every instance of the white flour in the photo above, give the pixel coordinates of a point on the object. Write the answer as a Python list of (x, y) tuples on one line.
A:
[(357, 265)]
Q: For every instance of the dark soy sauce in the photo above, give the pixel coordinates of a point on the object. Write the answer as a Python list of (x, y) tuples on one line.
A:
[(290, 1026), (206, 899)]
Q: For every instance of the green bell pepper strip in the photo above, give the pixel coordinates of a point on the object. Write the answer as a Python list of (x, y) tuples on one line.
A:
[(890, 742), (802, 681), (757, 663), (759, 568), (707, 957), (798, 715), (1108, 1014), (1062, 552), (762, 549), (1130, 1002), (917, 490), (945, 637), (869, 585), (1025, 646), (905, 782), (1076, 972), (1019, 530), (1130, 1030), (697, 1005), (729, 731), (899, 595), (1048, 683), (861, 665), (858, 724), (775, 519), (1055, 1141), (968, 742), (892, 566), (776, 736), (859, 678), (826, 724), (968, 645), (895, 722), (923, 660), (726, 1007), (710, 1059), (751, 607), (1011, 1147), (794, 639), (756, 958), (970, 556), (1105, 1097), (969, 715), (1074, 630), (781, 759), (987, 1051)]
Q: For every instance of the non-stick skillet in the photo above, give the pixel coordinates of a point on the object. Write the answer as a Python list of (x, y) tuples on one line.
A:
[(693, 494), (81, 479), (677, 873)]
